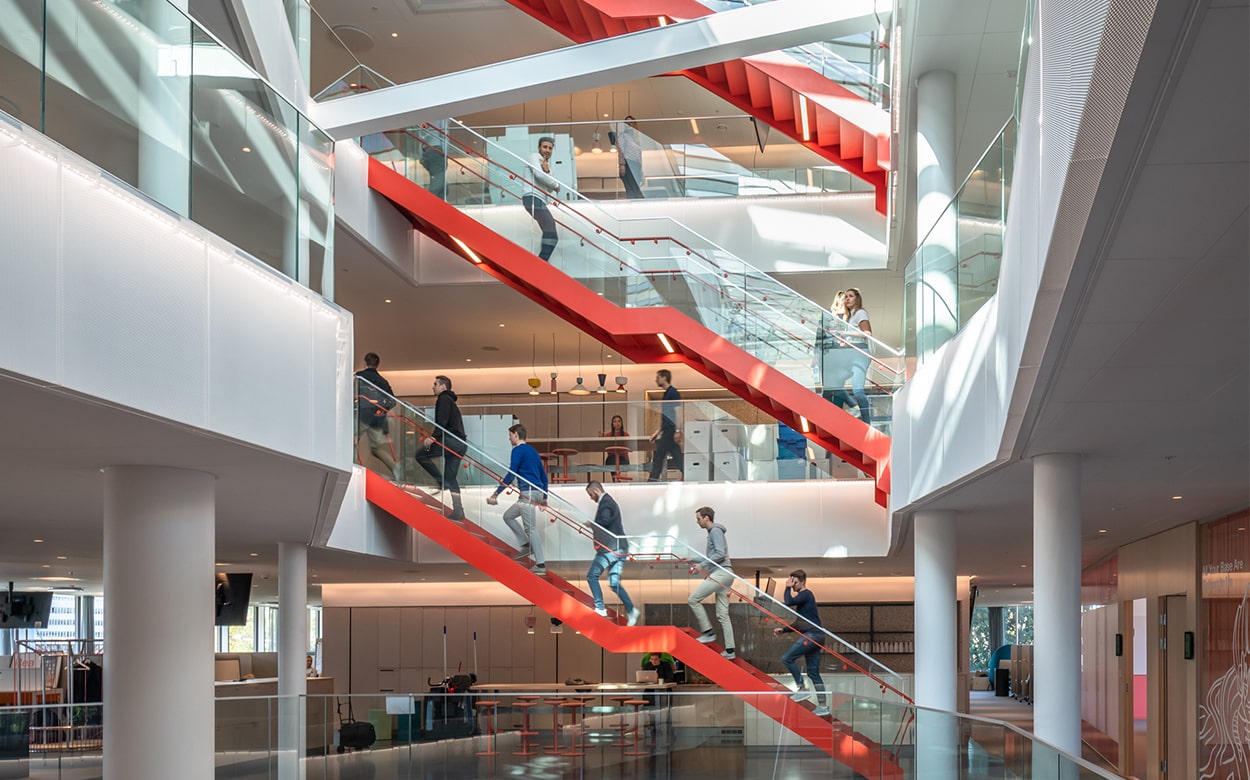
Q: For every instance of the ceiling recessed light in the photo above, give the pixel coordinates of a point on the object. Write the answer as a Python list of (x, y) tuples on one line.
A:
[(47, 566), (1242, 528), (388, 300), (38, 541), (247, 150), (254, 555), (1177, 498), (468, 360), (57, 579), (394, 35), (221, 564), (60, 557), (1024, 566), (501, 324)]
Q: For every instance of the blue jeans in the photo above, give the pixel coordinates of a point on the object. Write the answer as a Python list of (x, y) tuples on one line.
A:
[(614, 562), (808, 644)]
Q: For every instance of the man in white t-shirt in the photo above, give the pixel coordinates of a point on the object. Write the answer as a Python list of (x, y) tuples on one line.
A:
[(535, 198)]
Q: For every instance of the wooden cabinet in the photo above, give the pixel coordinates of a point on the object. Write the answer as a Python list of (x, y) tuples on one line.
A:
[(884, 631)]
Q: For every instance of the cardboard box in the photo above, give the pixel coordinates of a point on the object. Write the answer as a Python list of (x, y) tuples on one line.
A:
[(697, 468), (728, 467), (728, 437), (696, 436)]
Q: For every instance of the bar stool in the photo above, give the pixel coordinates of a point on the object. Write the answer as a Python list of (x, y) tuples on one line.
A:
[(524, 703), (637, 704), (624, 737), (563, 453), (620, 452), (488, 714), (555, 724), (575, 707)]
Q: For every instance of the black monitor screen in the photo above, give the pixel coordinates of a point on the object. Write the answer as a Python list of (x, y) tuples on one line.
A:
[(233, 592), (24, 610)]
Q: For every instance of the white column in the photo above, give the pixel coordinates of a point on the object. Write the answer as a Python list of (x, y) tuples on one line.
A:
[(159, 528), (1057, 600), (292, 649), (937, 300), (937, 643)]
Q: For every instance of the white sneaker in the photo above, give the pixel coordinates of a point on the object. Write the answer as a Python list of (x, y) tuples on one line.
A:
[(601, 612), (635, 615), (802, 695), (822, 712), (730, 654)]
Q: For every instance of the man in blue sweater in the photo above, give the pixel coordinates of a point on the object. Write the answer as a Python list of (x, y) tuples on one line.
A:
[(527, 468), (811, 637), (611, 547)]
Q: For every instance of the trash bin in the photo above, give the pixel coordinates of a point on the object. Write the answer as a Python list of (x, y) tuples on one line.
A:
[(1002, 681)]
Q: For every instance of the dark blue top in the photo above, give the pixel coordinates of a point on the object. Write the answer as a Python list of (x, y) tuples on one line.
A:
[(805, 604), (609, 531), (527, 467), (668, 409)]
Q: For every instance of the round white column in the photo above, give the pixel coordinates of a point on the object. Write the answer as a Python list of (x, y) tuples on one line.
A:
[(292, 650), (159, 533), (937, 643), (1057, 600), (937, 279)]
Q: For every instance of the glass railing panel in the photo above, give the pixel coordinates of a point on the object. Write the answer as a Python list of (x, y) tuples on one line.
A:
[(21, 54), (860, 63), (954, 270), (159, 103), (643, 262), (51, 738), (118, 92), (567, 535)]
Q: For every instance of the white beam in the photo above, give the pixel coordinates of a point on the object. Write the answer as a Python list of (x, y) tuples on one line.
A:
[(715, 38)]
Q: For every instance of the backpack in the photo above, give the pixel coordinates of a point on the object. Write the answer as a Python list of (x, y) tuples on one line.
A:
[(372, 404)]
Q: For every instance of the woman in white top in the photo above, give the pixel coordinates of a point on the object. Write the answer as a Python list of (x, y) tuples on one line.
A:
[(857, 317)]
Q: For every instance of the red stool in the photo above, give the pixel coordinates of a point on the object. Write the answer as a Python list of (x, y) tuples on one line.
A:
[(488, 715), (555, 724), (574, 706), (524, 703), (619, 452), (563, 453), (624, 737), (637, 704)]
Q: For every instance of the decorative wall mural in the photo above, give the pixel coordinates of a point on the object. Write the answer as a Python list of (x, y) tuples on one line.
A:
[(1224, 715)]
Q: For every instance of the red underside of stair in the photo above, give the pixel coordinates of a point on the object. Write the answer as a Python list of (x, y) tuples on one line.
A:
[(632, 332), (840, 126), (558, 598)]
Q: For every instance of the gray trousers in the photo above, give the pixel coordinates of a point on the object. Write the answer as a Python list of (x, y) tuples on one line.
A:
[(525, 509), (718, 582)]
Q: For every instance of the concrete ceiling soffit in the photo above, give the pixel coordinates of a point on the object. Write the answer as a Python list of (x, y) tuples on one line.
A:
[(716, 38)]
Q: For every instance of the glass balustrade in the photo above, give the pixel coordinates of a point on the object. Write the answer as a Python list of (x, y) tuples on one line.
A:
[(954, 270), (860, 62), (689, 157), (661, 566), (636, 262), (150, 96)]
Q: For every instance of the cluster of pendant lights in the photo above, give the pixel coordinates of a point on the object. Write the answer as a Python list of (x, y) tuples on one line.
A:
[(580, 388)]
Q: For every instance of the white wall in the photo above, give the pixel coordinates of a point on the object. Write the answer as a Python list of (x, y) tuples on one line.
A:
[(111, 296), (962, 409)]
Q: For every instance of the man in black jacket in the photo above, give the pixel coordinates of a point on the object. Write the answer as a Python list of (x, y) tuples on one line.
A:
[(448, 440), (611, 548), (374, 398)]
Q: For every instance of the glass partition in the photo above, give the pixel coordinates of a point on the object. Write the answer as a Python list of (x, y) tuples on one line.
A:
[(154, 99), (954, 270), (642, 262)]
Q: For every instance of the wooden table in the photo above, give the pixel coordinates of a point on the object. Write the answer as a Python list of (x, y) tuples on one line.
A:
[(10, 698)]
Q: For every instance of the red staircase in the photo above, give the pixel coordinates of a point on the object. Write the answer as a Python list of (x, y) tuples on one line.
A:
[(633, 332), (558, 598), (818, 113)]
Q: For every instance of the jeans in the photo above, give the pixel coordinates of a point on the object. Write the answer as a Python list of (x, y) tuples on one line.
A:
[(538, 210), (524, 507), (808, 644), (613, 562), (453, 456), (718, 582)]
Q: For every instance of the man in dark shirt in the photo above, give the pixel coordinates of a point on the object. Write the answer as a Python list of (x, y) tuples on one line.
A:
[(663, 668), (374, 398), (447, 439), (611, 548), (811, 637), (667, 438)]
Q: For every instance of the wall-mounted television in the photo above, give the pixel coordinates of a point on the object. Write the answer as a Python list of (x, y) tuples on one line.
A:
[(24, 609), (233, 592)]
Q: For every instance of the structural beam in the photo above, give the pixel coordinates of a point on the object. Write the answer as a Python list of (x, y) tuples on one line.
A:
[(716, 38)]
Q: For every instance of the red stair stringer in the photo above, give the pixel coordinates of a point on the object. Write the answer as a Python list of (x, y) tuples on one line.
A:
[(559, 599), (866, 155), (632, 332)]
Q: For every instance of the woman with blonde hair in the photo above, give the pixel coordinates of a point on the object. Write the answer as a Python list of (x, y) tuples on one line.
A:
[(857, 318), (832, 363)]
